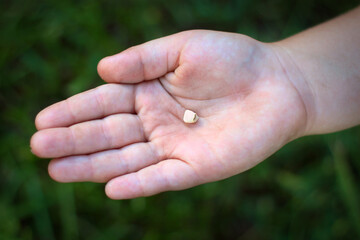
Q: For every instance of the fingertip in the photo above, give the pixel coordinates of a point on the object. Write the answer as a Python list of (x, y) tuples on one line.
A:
[(36, 144), (48, 117), (60, 170), (40, 122), (46, 143), (123, 67), (103, 69), (123, 187), (143, 62), (110, 192), (71, 169), (117, 68), (53, 173)]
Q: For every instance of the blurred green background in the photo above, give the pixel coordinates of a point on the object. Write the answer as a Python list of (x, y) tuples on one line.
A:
[(49, 51)]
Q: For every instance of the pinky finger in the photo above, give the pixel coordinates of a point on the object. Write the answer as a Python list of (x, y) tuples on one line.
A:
[(167, 175)]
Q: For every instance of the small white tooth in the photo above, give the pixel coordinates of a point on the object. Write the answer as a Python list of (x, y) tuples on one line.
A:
[(190, 117)]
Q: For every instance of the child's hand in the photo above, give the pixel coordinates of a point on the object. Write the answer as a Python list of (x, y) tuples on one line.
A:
[(131, 134)]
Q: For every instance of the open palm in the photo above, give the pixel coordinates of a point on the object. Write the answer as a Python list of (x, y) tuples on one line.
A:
[(130, 132)]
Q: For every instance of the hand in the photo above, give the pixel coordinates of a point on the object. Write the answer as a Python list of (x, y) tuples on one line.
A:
[(130, 132)]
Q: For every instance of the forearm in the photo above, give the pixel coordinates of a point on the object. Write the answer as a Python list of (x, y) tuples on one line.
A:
[(324, 65)]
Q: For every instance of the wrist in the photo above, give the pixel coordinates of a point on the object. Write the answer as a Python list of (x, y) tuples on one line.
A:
[(298, 79)]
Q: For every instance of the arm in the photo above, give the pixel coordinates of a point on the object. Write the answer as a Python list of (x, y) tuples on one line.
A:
[(252, 98), (324, 64)]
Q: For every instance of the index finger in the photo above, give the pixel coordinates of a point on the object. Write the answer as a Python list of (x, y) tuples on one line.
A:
[(93, 104)]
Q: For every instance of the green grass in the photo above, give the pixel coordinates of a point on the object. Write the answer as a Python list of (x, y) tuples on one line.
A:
[(49, 51)]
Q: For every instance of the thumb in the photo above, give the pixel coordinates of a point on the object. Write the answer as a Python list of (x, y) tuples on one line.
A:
[(147, 61)]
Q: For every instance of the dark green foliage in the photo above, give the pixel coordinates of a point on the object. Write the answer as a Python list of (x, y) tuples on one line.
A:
[(49, 51)]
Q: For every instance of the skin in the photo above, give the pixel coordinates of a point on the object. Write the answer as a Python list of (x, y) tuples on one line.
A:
[(252, 98)]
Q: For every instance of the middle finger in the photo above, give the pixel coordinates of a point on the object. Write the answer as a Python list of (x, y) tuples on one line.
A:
[(114, 131)]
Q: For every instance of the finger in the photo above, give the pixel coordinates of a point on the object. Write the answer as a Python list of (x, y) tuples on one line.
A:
[(147, 61), (111, 132), (103, 166), (96, 103), (168, 175)]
